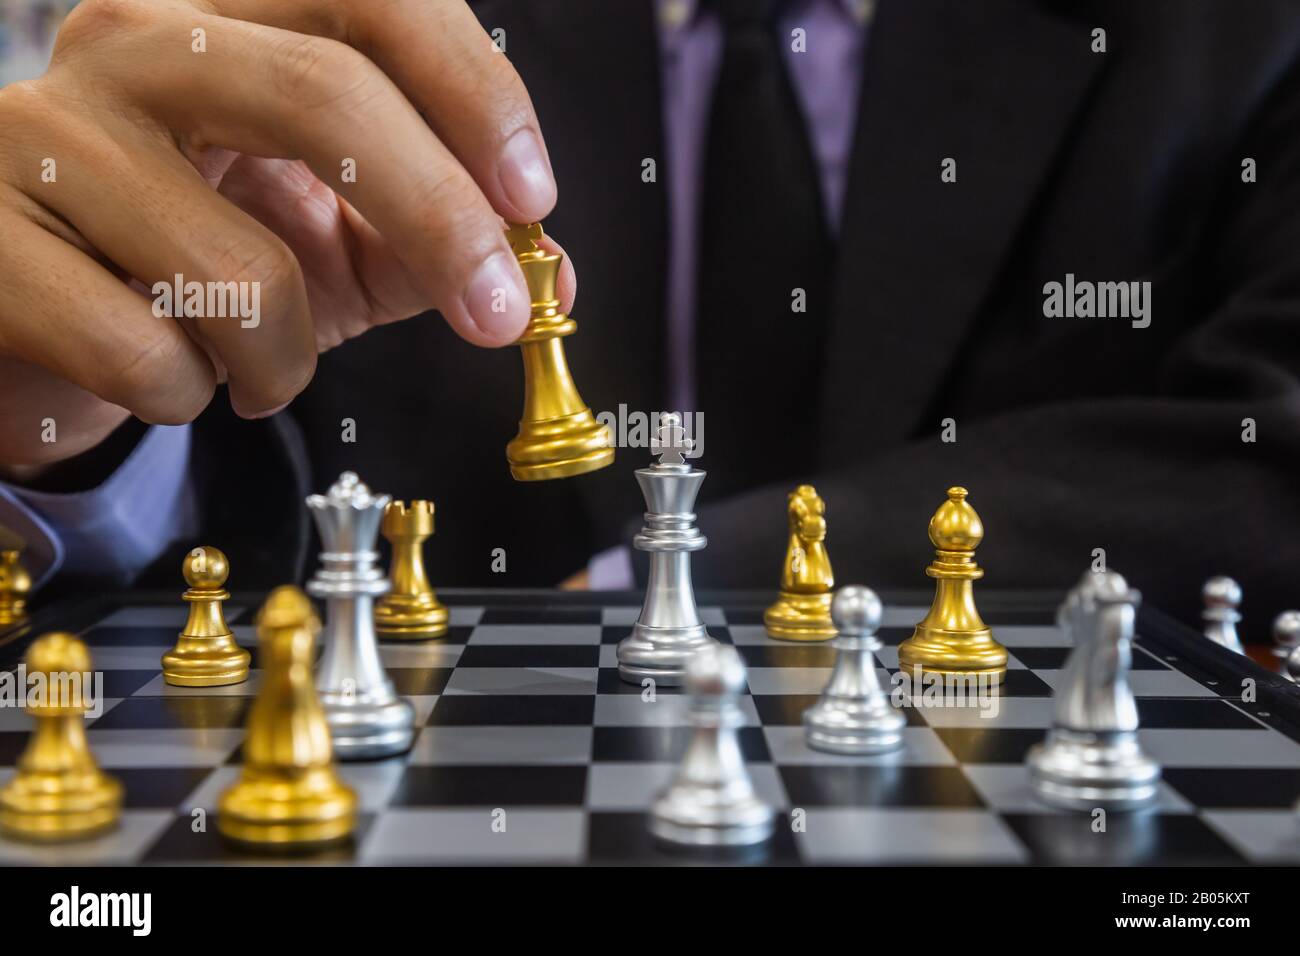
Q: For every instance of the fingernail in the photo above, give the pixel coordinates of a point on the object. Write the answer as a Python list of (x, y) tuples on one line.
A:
[(269, 412), (526, 175), (497, 298)]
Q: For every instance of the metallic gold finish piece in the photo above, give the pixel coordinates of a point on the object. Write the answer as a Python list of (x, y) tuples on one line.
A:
[(58, 792), (288, 796), (802, 611), (411, 610), (205, 654), (952, 639), (558, 436), (15, 585)]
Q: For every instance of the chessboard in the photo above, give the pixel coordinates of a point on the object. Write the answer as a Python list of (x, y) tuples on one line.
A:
[(532, 751)]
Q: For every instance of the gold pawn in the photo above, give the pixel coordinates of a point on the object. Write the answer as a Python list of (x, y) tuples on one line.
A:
[(205, 654), (411, 611), (58, 792), (15, 587), (558, 436), (802, 611), (952, 638), (288, 795)]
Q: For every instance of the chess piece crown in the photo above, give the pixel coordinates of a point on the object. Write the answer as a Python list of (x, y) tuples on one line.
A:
[(348, 518), (558, 435)]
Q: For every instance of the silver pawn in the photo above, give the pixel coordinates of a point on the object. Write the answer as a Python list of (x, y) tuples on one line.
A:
[(853, 716), (1091, 757), (668, 630), (711, 801), (366, 717), (1222, 597), (1286, 637)]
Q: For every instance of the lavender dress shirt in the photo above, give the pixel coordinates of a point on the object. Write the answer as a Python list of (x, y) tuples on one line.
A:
[(118, 529)]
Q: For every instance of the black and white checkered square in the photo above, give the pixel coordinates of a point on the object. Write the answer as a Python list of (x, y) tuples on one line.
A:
[(532, 750)]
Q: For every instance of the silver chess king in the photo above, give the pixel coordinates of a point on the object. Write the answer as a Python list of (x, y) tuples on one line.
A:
[(365, 715), (668, 630)]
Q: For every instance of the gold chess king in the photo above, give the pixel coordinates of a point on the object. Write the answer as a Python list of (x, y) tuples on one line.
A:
[(558, 436)]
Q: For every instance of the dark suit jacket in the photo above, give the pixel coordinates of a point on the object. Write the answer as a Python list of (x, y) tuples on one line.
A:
[(1072, 434)]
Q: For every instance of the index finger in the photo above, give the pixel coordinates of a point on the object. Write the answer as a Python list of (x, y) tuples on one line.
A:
[(439, 56)]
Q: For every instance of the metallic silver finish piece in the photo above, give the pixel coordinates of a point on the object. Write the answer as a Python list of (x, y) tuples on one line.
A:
[(711, 802), (853, 715), (1222, 597), (1091, 757), (366, 717), (668, 630), (1286, 640)]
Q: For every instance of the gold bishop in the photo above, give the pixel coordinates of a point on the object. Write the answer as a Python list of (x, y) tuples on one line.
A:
[(288, 795), (802, 611), (558, 435), (952, 638)]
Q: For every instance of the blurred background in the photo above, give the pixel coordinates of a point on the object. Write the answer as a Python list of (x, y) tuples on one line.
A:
[(27, 29)]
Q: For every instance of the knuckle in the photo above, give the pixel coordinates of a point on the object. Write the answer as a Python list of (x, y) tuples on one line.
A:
[(23, 104), (447, 205), (145, 382), (262, 261), (314, 73), (91, 21)]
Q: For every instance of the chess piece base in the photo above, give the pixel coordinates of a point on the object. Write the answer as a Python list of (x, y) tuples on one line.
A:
[(659, 653), (1080, 771), (559, 447), (681, 818), (399, 619), (800, 617), (843, 728), (205, 663), (53, 808), (959, 653), (363, 729), (273, 811)]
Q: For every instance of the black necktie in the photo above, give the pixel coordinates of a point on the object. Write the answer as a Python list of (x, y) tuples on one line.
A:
[(763, 236)]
